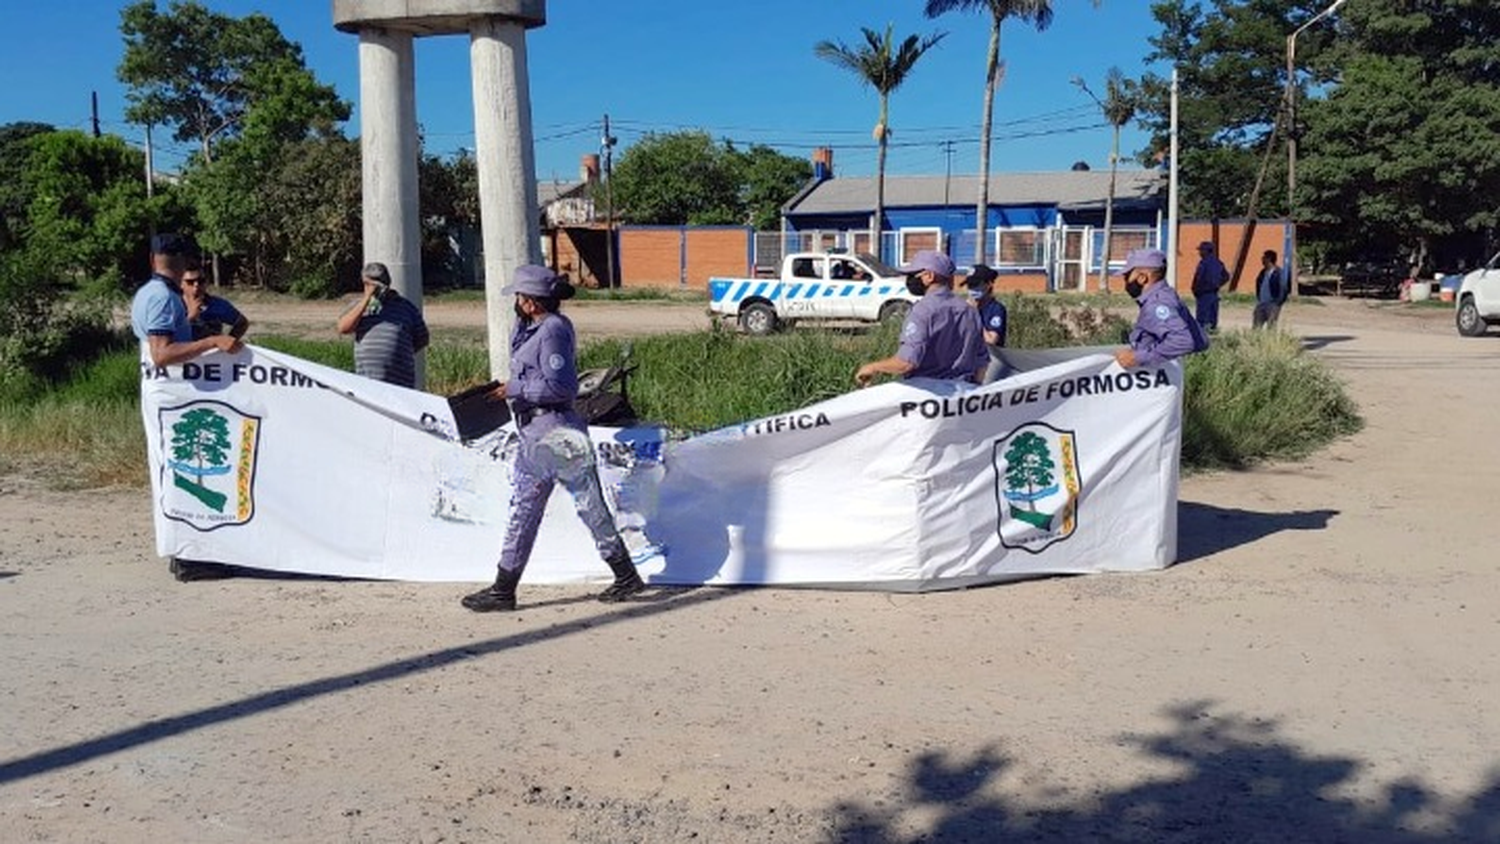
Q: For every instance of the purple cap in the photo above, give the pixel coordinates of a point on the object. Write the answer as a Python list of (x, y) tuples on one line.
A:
[(935, 262), (532, 280), (1144, 259)]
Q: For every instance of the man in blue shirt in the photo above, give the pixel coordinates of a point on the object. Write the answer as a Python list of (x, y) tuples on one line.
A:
[(555, 444), (1271, 291), (942, 337), (159, 318), (158, 315), (1163, 329), (1210, 276)]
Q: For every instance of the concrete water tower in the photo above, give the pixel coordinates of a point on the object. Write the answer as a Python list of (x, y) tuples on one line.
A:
[(502, 138)]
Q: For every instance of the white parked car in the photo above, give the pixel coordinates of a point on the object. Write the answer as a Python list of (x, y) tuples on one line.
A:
[(1478, 299)]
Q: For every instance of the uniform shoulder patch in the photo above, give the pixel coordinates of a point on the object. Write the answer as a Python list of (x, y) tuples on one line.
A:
[(555, 361), (1162, 311)]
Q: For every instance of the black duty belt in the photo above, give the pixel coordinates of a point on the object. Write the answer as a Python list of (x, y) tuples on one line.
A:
[(525, 417)]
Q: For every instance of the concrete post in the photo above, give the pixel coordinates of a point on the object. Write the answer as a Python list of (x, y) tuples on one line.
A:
[(506, 167), (388, 149)]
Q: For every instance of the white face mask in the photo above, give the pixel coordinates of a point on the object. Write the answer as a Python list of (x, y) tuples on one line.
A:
[(976, 293)]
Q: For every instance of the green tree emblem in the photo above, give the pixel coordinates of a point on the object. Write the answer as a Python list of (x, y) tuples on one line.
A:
[(200, 446), (1029, 467)]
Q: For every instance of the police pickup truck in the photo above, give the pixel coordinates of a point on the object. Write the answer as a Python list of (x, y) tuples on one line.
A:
[(1478, 299), (813, 285)]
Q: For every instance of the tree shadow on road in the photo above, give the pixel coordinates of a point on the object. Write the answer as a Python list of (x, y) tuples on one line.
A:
[(1203, 529), (1323, 340), (1238, 780)]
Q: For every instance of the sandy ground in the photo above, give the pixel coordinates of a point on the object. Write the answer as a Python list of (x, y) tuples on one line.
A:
[(1320, 666)]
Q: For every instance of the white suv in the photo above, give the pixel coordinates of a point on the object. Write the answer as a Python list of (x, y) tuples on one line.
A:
[(1479, 299)]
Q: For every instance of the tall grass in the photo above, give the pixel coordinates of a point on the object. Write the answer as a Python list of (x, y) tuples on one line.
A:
[(1256, 395)]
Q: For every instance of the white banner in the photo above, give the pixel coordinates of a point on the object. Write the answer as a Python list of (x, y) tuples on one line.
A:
[(272, 462)]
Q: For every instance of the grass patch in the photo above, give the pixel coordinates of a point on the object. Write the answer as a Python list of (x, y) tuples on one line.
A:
[(1255, 396), (589, 294)]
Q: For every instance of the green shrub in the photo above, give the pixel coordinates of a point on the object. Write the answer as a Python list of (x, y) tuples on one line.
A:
[(1256, 395), (314, 286)]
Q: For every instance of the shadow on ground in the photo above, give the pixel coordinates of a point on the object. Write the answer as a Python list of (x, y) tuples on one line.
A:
[(1239, 780), (654, 602), (1203, 529)]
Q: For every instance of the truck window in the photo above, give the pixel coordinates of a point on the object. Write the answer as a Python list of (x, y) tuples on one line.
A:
[(804, 268)]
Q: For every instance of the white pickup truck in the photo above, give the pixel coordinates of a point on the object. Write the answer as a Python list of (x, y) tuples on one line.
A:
[(1478, 300), (813, 285)]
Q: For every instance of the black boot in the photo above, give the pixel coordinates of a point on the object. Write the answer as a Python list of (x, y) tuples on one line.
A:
[(500, 597), (627, 581)]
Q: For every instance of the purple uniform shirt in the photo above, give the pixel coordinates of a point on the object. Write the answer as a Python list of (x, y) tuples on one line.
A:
[(544, 372), (1164, 329), (942, 338)]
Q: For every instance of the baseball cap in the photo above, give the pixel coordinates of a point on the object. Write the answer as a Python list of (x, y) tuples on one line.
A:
[(533, 280), (931, 261), (1144, 259), (980, 276)]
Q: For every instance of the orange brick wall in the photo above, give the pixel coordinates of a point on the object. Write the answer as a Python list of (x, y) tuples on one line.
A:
[(1021, 283), (1227, 235), (712, 252), (652, 257)]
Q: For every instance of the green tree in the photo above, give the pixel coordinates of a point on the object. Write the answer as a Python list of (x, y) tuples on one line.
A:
[(767, 180), (88, 211), (201, 72), (242, 92), (1029, 466), (677, 178), (1405, 150), (884, 66), (1231, 84), (14, 150), (1039, 14)]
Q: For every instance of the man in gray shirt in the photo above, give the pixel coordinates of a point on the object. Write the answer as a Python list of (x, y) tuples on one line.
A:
[(942, 337), (388, 331)]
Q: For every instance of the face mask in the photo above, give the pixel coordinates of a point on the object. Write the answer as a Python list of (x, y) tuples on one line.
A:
[(976, 294), (914, 285), (1133, 289)]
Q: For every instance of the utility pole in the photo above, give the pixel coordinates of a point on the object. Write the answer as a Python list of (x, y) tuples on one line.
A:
[(94, 110), (947, 173), (1291, 136), (607, 143), (150, 165)]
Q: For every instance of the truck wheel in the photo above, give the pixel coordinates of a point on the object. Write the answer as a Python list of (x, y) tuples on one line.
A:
[(1470, 324), (758, 319), (895, 311)]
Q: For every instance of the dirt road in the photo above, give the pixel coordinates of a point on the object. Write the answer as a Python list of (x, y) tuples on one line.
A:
[(1320, 666)]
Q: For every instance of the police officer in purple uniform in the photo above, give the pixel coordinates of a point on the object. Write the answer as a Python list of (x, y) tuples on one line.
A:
[(993, 319), (1163, 329), (942, 337), (555, 444)]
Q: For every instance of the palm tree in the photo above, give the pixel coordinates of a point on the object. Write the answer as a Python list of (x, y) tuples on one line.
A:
[(1119, 107), (1039, 14), (883, 66)]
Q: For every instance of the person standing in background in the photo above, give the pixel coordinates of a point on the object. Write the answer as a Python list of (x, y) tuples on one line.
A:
[(388, 330), (1208, 279)]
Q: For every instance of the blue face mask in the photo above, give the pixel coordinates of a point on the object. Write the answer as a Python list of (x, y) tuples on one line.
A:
[(976, 293)]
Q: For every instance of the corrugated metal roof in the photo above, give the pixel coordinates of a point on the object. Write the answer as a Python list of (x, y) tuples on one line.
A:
[(1074, 188), (550, 191)]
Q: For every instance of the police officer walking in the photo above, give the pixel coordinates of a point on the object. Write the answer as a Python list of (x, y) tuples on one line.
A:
[(555, 444), (942, 337), (1163, 329), (1208, 279)]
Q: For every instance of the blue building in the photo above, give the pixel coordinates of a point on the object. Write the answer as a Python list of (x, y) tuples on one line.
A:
[(1047, 227)]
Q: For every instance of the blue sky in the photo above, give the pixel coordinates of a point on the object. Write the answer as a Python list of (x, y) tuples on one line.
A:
[(741, 70)]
